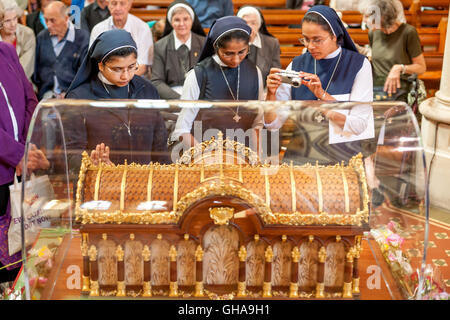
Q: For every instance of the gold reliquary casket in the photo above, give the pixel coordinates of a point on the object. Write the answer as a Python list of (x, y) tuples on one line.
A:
[(218, 223)]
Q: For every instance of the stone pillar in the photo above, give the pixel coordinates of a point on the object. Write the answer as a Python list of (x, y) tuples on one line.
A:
[(436, 127)]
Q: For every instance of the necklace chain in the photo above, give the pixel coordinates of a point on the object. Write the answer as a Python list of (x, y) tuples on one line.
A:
[(236, 114), (332, 75)]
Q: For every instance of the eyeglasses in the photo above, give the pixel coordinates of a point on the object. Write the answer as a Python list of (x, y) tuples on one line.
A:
[(314, 42), (118, 70), (229, 55)]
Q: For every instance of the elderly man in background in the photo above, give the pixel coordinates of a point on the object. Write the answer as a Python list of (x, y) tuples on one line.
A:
[(93, 14), (35, 20), (59, 52), (140, 32), (20, 36)]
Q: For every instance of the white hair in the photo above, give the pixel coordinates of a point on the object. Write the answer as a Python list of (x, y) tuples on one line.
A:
[(11, 5), (249, 10)]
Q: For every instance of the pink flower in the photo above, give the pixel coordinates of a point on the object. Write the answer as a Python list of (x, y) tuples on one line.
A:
[(395, 240), (392, 257), (391, 226)]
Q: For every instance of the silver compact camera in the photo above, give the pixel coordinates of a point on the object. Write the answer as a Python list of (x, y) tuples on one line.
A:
[(290, 77)]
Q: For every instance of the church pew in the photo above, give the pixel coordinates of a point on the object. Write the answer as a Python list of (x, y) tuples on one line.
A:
[(285, 17), (431, 38), (431, 78)]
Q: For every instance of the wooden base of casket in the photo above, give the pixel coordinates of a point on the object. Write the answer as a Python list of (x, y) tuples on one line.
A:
[(223, 229)]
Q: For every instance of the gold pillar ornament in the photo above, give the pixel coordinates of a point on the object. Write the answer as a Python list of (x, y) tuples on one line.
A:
[(199, 289), (348, 286), (119, 253), (356, 286), (92, 253), (267, 286), (147, 286), (147, 289), (95, 291), (347, 291), (293, 290), (320, 290), (293, 287), (86, 284), (173, 291), (199, 284), (242, 290), (320, 286), (121, 292)]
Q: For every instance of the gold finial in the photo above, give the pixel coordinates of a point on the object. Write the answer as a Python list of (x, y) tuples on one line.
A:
[(146, 253), (269, 254), (221, 215), (159, 236), (199, 253), (242, 254), (283, 238), (92, 253), (131, 236), (119, 253), (338, 238), (295, 254), (104, 236), (256, 237), (84, 247), (173, 253), (322, 254), (350, 254), (186, 236), (311, 238)]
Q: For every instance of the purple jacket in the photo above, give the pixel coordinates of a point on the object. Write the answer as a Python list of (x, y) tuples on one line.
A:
[(23, 101)]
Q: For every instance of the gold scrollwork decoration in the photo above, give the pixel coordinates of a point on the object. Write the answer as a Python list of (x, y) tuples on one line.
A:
[(221, 215)]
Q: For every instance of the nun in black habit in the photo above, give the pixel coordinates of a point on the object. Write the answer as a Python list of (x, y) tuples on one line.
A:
[(113, 134), (108, 71), (222, 73)]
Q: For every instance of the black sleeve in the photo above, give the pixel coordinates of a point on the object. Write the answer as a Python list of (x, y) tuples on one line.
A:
[(159, 149)]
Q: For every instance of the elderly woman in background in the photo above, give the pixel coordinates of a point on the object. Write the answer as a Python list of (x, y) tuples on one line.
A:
[(20, 36), (396, 48), (264, 47), (178, 51), (17, 103)]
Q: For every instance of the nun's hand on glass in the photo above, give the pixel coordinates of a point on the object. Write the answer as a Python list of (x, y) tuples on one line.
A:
[(100, 154), (392, 82), (273, 80), (313, 83)]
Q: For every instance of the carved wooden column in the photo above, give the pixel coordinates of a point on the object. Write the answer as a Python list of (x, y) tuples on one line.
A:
[(242, 261), (267, 286), (147, 287), (348, 272), (120, 272), (293, 288), (358, 249), (84, 252), (95, 291), (199, 272), (320, 287), (173, 291)]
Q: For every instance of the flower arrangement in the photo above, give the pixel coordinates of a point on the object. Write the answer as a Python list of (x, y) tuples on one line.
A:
[(391, 242), (42, 261), (434, 288)]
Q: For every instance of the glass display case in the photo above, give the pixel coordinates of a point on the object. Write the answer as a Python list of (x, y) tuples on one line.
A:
[(213, 200)]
